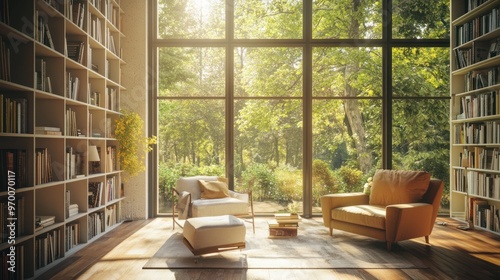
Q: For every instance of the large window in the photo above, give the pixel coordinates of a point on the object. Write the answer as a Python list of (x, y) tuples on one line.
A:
[(296, 99)]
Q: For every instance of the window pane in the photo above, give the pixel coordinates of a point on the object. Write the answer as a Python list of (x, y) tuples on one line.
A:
[(347, 19), (421, 19), (421, 72), (191, 19), (347, 72), (189, 72), (420, 138), (191, 141), (264, 19), (347, 145), (268, 72), (268, 152)]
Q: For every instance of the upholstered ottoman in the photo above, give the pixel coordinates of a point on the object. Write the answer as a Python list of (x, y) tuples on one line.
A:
[(203, 235)]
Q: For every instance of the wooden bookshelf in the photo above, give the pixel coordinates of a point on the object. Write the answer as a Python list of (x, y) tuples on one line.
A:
[(475, 113), (60, 91)]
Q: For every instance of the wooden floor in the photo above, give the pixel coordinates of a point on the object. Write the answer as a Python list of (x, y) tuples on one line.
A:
[(121, 253)]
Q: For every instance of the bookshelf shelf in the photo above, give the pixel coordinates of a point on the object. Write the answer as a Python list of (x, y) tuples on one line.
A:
[(60, 90), (475, 114)]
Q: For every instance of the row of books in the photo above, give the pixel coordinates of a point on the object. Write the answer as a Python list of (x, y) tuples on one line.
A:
[(72, 86), (479, 79), (13, 114), (75, 50), (111, 214), (47, 248), (477, 27), (487, 132), (72, 236), (14, 165), (4, 12), (43, 166), (95, 194), (481, 105), (111, 162), (7, 215), (96, 224), (95, 28), (483, 184), (74, 163), (484, 215), (42, 30), (5, 257), (4, 61), (481, 158), (75, 11), (42, 80), (472, 4), (71, 122)]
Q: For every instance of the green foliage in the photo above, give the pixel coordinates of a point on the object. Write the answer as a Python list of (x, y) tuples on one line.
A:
[(323, 181), (261, 180), (133, 146), (289, 181), (352, 179)]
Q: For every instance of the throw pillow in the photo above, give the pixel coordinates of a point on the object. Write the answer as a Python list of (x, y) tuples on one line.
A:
[(398, 186), (213, 189)]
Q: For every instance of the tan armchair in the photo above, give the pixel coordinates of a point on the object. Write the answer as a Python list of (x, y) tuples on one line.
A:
[(402, 205), (193, 202)]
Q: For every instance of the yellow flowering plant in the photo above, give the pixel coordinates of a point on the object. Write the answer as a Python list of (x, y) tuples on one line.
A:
[(133, 146)]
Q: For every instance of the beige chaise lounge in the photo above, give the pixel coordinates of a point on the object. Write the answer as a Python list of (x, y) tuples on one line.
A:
[(205, 196), (402, 205)]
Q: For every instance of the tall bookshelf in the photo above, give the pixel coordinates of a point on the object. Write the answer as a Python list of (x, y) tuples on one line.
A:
[(60, 89), (475, 113)]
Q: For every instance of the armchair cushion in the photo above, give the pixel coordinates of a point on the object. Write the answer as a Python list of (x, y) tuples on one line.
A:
[(218, 206), (364, 215), (213, 189), (398, 186)]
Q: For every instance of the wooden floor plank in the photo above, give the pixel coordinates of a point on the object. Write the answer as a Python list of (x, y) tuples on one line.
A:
[(121, 254)]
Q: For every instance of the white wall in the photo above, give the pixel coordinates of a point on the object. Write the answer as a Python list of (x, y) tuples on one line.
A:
[(134, 79)]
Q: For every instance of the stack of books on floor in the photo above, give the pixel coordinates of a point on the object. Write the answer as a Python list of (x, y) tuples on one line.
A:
[(284, 225)]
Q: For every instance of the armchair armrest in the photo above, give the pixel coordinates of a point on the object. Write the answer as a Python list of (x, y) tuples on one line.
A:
[(410, 220), (331, 201), (240, 195)]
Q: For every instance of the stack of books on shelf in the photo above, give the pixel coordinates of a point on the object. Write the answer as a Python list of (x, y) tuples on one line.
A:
[(44, 221), (48, 130), (284, 225), (71, 209)]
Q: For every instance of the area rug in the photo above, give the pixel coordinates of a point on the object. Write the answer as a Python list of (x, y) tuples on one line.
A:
[(313, 248)]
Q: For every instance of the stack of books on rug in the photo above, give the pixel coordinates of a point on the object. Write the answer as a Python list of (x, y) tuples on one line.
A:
[(284, 225)]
